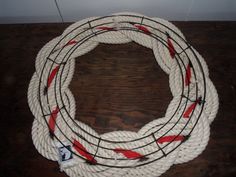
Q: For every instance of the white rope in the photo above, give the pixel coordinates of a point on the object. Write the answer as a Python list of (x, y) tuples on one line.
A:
[(176, 138)]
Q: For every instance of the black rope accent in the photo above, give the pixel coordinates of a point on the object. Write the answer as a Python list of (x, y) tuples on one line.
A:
[(168, 35), (45, 115), (141, 23), (62, 63), (190, 64), (200, 100), (99, 140), (91, 28), (158, 145), (132, 23), (94, 156), (188, 98), (45, 91), (189, 46), (186, 138), (59, 11)]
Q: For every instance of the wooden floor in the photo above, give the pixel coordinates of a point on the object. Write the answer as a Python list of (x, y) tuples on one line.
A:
[(117, 87)]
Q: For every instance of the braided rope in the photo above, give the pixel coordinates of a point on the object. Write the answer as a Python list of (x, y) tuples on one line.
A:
[(181, 135)]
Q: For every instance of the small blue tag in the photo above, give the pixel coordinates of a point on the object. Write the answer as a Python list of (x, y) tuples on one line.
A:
[(65, 153)]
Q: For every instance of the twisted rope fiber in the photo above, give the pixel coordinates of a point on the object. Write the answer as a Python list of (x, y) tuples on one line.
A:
[(180, 136)]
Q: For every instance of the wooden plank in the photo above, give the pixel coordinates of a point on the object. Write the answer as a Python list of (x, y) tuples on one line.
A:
[(117, 87)]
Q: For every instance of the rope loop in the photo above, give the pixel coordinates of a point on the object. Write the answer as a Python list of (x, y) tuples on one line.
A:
[(180, 136)]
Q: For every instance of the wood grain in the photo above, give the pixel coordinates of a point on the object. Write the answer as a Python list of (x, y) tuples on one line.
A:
[(116, 87)]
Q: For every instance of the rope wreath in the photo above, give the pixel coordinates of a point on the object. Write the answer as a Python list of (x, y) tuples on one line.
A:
[(181, 135)]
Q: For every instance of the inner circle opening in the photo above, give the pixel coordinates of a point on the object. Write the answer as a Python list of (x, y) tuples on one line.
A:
[(119, 87)]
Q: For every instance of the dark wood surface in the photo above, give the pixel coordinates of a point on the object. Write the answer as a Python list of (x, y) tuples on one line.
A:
[(116, 87)]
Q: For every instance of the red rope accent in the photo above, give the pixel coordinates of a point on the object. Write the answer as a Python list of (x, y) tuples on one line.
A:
[(191, 108), (52, 75), (52, 120), (171, 48), (188, 74), (128, 153), (143, 28), (71, 42), (82, 151), (170, 138), (105, 28)]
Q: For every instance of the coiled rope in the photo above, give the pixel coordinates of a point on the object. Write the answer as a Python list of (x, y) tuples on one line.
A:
[(181, 135)]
